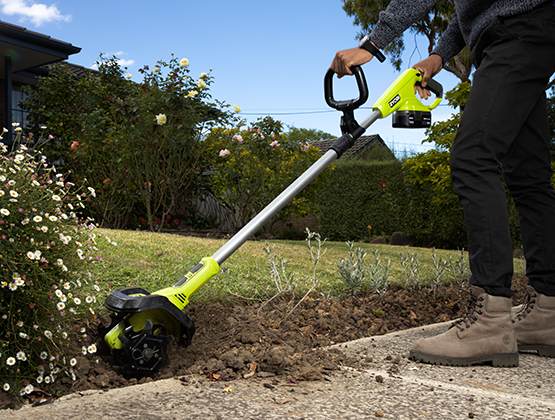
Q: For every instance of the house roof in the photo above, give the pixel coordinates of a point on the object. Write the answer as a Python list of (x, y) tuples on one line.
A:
[(28, 50), (361, 144)]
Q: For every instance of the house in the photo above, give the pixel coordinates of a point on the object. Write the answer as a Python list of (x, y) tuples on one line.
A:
[(24, 55)]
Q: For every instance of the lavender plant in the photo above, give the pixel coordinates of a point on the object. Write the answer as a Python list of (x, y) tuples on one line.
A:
[(352, 270)]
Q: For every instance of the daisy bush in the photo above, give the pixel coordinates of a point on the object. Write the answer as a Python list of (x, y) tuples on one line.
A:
[(44, 285)]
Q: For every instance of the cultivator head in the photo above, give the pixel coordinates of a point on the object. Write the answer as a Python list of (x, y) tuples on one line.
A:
[(144, 324)]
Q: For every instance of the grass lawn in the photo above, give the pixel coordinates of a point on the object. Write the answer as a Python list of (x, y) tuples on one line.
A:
[(156, 260)]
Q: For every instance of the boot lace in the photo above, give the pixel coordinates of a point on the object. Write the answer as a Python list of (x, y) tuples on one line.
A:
[(474, 307), (527, 305)]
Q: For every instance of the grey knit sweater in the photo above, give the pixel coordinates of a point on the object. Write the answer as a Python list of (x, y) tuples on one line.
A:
[(470, 19)]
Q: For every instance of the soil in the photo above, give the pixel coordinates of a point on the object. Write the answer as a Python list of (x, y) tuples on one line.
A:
[(247, 340)]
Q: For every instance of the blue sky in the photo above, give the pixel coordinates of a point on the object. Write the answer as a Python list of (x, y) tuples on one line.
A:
[(267, 57)]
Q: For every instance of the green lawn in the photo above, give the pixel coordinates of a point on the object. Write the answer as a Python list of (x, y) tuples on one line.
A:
[(155, 261)]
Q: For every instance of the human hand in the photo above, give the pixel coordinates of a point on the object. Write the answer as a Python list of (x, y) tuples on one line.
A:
[(429, 67), (345, 59)]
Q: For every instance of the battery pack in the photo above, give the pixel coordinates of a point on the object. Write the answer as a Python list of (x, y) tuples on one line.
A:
[(411, 119)]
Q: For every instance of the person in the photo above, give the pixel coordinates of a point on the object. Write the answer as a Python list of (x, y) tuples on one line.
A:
[(503, 131)]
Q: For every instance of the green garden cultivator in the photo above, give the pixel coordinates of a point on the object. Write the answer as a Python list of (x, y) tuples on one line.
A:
[(144, 323)]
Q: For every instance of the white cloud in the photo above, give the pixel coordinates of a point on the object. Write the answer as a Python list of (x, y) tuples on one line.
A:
[(37, 13), (121, 63), (125, 63)]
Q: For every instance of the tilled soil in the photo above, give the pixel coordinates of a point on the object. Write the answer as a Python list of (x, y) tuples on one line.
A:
[(252, 341)]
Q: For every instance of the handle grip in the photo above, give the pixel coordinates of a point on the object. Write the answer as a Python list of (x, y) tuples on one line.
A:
[(351, 104), (435, 87)]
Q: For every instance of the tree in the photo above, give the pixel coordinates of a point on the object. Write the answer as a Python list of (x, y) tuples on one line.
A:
[(254, 165), (307, 134), (431, 26)]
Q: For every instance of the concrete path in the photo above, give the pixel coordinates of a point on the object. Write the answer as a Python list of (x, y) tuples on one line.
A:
[(389, 387)]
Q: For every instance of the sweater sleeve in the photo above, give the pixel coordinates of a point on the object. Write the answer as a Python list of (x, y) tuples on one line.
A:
[(451, 41), (398, 16)]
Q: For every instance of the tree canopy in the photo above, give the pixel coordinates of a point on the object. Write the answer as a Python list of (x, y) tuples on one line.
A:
[(431, 26)]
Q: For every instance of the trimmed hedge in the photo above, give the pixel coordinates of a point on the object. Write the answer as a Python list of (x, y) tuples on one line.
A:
[(360, 194)]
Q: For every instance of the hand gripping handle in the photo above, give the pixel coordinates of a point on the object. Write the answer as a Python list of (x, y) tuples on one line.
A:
[(351, 104), (435, 87)]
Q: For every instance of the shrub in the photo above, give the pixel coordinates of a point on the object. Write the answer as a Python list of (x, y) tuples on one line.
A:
[(138, 144), (362, 196), (44, 288), (253, 166)]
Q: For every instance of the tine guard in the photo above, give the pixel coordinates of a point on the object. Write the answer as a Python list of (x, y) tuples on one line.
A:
[(137, 301)]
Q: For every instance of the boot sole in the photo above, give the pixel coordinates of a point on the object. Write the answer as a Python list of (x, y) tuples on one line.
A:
[(543, 351), (497, 360)]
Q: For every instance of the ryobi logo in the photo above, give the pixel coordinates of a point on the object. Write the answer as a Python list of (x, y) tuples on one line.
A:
[(394, 101)]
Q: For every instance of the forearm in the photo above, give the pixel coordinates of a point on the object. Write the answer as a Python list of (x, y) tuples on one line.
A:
[(398, 16), (451, 42)]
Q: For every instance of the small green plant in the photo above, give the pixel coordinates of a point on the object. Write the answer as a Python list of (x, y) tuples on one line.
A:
[(439, 267), (352, 271), (282, 278), (316, 253), (379, 273), (458, 267), (45, 290), (411, 270)]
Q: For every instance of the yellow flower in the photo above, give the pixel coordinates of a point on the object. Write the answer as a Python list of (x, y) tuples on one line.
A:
[(236, 108), (184, 62), (161, 119)]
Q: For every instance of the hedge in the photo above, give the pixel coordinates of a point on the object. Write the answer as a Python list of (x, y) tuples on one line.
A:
[(362, 199)]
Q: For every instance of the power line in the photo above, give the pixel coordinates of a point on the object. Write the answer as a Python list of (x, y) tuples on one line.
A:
[(299, 112)]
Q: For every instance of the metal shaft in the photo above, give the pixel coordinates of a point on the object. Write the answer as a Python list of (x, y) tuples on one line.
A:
[(276, 205), (371, 119)]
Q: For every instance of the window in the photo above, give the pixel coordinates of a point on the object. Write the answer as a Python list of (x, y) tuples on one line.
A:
[(18, 114)]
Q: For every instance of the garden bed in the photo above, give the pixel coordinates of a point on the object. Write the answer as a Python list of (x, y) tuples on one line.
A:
[(245, 340)]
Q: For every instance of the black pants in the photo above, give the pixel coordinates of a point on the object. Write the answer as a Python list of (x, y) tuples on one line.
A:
[(504, 130)]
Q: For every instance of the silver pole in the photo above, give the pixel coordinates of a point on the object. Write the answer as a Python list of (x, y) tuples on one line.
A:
[(371, 119), (276, 205)]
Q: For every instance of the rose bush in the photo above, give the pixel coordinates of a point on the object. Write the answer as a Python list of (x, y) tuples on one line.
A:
[(252, 166)]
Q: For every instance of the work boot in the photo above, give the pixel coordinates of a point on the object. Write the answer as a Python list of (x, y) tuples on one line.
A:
[(485, 334), (535, 323)]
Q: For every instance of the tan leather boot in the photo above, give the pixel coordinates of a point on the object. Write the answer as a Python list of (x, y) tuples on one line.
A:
[(484, 335), (535, 323)]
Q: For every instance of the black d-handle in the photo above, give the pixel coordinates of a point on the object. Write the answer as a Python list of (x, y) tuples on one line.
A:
[(351, 104), (435, 87)]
